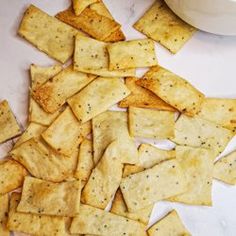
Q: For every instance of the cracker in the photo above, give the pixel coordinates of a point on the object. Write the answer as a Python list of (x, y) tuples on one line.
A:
[(119, 208), (170, 224), (85, 160), (95, 58), (132, 169), (43, 162), (157, 183), (65, 133), (105, 130), (95, 221), (97, 97), (197, 132), (90, 22), (104, 179), (46, 198), (48, 34), (173, 89), (54, 93), (162, 25), (141, 97), (33, 130), (197, 164), (101, 9), (149, 123), (40, 74), (116, 36), (225, 169), (8, 124), (222, 111), (80, 5), (12, 176), (132, 54), (4, 200), (34, 224)]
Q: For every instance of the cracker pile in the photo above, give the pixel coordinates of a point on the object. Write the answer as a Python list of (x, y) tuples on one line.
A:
[(77, 156)]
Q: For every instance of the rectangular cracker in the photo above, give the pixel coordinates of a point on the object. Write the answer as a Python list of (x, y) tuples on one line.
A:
[(104, 179), (225, 169), (33, 130), (170, 224), (222, 111), (89, 21), (196, 132), (48, 34), (46, 198), (132, 54), (162, 25), (12, 176), (119, 208), (197, 164), (97, 97), (34, 224), (160, 182), (95, 58), (8, 124), (173, 89), (80, 5), (105, 127), (85, 160), (4, 201), (54, 93), (149, 123), (95, 221), (65, 133), (141, 97), (43, 162)]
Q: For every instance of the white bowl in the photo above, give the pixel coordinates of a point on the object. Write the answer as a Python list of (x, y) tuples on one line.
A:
[(214, 16)]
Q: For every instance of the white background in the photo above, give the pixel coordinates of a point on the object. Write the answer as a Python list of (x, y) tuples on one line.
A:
[(207, 61)]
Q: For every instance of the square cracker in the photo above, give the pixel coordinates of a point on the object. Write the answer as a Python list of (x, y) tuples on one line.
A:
[(33, 130), (225, 169), (149, 123), (196, 132), (46, 198), (91, 56), (34, 224), (80, 5), (8, 124), (54, 93), (12, 176), (40, 75), (105, 127), (104, 179), (43, 162), (97, 97), (173, 89), (197, 164), (222, 111), (141, 97), (160, 182), (95, 221), (4, 200), (89, 21), (162, 25), (132, 54), (85, 162), (66, 133), (170, 224), (119, 208), (48, 34)]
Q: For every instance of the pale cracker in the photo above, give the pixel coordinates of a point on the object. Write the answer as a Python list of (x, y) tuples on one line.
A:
[(97, 97), (132, 54), (80, 5), (173, 89), (4, 201), (162, 25)]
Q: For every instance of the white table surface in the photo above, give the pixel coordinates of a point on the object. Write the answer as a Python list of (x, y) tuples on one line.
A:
[(207, 61)]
